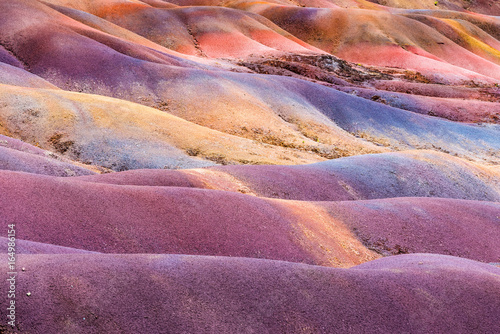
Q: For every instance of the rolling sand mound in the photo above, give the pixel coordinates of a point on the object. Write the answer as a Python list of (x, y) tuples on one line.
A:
[(207, 31), (25, 162), (454, 109), (478, 6), (239, 104), (101, 217), (79, 293), (405, 174), (103, 131), (30, 247), (126, 219), (12, 75), (161, 160), (467, 229), (18, 156), (383, 39)]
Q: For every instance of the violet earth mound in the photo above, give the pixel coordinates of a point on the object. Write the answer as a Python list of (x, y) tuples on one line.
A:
[(193, 294), (184, 220), (279, 166)]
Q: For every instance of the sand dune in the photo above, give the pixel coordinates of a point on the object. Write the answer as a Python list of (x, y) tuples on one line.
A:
[(112, 218), (78, 293), (241, 166), (31, 247), (384, 39), (405, 174), (18, 156)]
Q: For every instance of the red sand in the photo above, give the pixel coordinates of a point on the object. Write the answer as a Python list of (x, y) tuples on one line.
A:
[(381, 120), (32, 247), (100, 217), (159, 293), (86, 53), (467, 229)]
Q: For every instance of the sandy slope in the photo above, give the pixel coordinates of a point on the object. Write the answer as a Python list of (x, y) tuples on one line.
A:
[(168, 293), (113, 218), (352, 131), (404, 174)]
